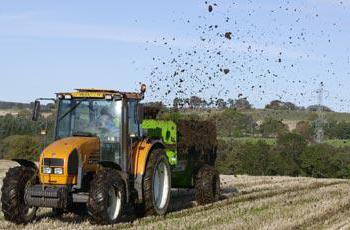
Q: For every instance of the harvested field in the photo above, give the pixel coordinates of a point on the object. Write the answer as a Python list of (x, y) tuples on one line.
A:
[(247, 203)]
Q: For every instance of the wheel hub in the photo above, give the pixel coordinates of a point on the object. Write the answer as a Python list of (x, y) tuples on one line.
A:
[(161, 185)]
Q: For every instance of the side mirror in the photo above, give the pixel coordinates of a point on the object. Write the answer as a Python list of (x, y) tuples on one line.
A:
[(143, 88), (140, 113), (36, 111)]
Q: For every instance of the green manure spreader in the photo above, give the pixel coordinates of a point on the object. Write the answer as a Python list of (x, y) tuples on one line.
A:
[(191, 148)]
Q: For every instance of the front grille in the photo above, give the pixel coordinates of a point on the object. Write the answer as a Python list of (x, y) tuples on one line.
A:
[(53, 162), (50, 197)]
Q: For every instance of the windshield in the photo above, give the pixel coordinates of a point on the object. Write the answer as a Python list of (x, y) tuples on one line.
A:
[(90, 117)]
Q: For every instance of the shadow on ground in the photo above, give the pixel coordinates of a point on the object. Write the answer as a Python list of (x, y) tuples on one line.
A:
[(181, 199)]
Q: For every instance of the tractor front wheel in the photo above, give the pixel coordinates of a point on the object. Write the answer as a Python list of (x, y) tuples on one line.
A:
[(156, 185), (207, 185), (13, 201), (106, 198)]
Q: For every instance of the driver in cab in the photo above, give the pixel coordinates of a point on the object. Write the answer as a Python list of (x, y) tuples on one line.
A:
[(107, 125)]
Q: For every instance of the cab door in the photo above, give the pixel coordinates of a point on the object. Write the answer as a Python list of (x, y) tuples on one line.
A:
[(133, 123)]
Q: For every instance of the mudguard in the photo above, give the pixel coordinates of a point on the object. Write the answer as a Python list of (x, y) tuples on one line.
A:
[(140, 157), (26, 163)]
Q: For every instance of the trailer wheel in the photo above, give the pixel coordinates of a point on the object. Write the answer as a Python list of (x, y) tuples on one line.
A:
[(156, 185), (207, 184), (13, 202), (106, 198)]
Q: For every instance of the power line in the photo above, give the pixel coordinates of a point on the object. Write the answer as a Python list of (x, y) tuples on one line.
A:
[(321, 119)]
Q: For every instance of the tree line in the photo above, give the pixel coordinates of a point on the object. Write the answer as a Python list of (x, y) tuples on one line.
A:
[(241, 103), (290, 156), (20, 137)]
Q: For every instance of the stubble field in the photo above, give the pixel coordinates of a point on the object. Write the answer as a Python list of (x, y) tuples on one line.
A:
[(247, 203)]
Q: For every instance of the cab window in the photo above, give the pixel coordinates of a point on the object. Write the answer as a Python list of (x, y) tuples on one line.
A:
[(133, 123)]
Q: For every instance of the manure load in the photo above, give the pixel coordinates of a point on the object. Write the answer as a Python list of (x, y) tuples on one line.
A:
[(197, 141)]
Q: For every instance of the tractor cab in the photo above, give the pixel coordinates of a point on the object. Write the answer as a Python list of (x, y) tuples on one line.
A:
[(111, 116)]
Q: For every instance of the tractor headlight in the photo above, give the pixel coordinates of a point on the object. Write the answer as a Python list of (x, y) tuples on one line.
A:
[(47, 170), (58, 171)]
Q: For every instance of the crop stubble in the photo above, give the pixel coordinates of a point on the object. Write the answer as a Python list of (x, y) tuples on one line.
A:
[(248, 203)]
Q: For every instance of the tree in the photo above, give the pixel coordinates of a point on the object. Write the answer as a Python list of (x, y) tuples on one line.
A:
[(316, 161), (315, 108), (271, 127), (343, 130), (221, 103), (203, 104), (232, 123), (195, 102), (242, 104), (291, 145), (303, 128), (178, 102), (280, 105), (231, 103), (23, 147)]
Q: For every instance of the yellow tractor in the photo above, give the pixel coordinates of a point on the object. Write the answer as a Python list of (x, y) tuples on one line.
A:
[(100, 161)]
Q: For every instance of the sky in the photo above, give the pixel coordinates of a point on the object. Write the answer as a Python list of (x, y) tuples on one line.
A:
[(278, 50)]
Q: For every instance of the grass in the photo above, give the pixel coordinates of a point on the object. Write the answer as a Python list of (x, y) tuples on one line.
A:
[(338, 143), (272, 141), (269, 141)]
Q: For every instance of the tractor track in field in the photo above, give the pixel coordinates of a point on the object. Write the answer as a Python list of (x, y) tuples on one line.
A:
[(250, 198), (247, 203), (314, 221)]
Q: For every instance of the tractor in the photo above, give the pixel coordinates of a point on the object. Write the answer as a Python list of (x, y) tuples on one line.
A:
[(106, 156)]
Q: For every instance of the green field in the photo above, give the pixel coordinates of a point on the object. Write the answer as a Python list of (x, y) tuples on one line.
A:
[(269, 141), (272, 141), (338, 143)]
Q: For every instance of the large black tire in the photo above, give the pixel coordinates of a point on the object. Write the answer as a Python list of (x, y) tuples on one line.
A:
[(13, 203), (151, 205), (207, 184), (101, 200)]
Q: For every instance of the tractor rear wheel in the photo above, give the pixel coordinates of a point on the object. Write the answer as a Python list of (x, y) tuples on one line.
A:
[(106, 198), (13, 202), (156, 185), (207, 184)]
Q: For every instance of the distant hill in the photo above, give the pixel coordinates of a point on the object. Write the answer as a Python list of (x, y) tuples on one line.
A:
[(14, 105)]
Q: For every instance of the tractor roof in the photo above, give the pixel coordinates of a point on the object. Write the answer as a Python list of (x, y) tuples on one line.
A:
[(102, 93)]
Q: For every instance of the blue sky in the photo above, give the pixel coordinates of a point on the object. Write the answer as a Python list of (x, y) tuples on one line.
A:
[(279, 49)]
